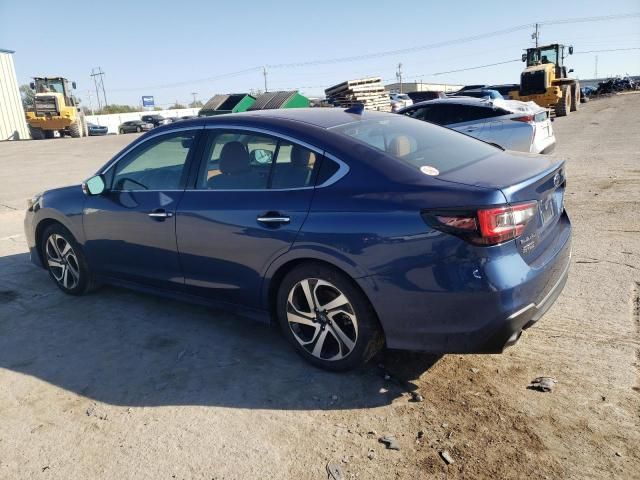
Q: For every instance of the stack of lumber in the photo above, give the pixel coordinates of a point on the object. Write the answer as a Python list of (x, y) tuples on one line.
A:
[(366, 91)]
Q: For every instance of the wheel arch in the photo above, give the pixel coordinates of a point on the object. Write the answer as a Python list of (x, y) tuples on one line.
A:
[(278, 271), (45, 223)]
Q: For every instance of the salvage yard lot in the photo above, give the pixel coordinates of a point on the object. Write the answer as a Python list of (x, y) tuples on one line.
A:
[(122, 385)]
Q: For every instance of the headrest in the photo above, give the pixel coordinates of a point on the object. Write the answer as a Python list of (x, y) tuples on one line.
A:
[(300, 157), (400, 146), (234, 159)]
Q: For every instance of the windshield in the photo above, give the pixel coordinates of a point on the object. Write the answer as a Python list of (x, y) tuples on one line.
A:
[(419, 143), (49, 86), (542, 55)]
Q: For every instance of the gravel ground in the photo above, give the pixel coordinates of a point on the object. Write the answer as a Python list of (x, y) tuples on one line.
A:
[(122, 385)]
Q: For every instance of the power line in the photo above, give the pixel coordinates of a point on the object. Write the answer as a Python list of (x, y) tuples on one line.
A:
[(608, 50), (396, 52)]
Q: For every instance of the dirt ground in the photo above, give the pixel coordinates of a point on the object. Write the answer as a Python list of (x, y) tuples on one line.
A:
[(122, 385)]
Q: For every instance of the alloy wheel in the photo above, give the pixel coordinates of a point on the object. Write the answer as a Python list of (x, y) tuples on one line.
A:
[(322, 319), (62, 261)]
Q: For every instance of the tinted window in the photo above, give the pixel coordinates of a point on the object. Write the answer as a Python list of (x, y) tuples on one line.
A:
[(156, 165), (418, 143), (293, 167), (237, 161), (328, 169)]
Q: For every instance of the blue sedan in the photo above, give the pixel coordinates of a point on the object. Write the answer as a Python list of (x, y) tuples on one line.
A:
[(353, 230)]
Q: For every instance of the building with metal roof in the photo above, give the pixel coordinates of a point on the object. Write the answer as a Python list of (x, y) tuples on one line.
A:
[(230, 103), (282, 99), (13, 125)]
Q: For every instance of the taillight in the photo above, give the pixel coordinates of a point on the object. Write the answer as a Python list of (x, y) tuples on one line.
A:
[(486, 226), (525, 119)]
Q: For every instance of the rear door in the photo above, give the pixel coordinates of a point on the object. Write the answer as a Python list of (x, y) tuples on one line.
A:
[(250, 198)]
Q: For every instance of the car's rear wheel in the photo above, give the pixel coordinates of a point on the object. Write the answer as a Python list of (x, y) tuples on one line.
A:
[(327, 318), (65, 261), (138, 129), (122, 131)]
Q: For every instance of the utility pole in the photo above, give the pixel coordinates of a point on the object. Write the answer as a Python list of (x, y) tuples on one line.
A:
[(98, 80), (536, 35), (399, 76), (596, 73), (194, 97), (264, 72), (90, 102)]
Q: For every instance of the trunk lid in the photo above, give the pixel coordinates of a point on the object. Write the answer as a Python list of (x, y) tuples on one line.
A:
[(521, 178)]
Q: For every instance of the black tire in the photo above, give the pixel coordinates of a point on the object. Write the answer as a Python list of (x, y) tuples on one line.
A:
[(49, 134), (563, 107), (36, 133), (78, 279), (355, 319), (75, 129), (575, 97), (122, 131), (138, 129)]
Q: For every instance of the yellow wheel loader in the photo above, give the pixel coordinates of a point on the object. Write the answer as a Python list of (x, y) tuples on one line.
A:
[(545, 80), (55, 109)]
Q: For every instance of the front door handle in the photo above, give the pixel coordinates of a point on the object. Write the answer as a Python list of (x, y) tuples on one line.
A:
[(160, 214), (273, 217)]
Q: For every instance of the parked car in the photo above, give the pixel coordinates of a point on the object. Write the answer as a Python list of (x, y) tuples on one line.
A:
[(478, 93), (505, 89), (424, 96), (155, 120), (512, 124), (134, 126), (351, 229), (94, 129), (399, 100)]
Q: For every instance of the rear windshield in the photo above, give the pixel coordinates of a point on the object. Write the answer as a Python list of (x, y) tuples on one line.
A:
[(418, 143)]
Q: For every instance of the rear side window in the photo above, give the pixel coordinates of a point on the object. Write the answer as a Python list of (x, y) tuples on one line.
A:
[(294, 166), (328, 168), (418, 143)]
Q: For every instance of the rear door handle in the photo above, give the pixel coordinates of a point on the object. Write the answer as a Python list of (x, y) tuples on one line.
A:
[(160, 214), (273, 217)]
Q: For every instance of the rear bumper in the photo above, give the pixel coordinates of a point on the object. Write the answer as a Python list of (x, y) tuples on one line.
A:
[(548, 149), (465, 303), (524, 318)]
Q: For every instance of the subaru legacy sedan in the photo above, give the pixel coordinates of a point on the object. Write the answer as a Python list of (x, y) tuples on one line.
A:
[(353, 230)]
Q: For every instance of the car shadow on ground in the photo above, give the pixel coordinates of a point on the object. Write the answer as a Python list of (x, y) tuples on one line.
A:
[(126, 348)]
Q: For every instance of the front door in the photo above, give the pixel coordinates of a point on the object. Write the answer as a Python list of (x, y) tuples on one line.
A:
[(130, 228), (251, 197)]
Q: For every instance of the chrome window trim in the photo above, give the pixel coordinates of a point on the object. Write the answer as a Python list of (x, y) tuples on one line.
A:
[(343, 168)]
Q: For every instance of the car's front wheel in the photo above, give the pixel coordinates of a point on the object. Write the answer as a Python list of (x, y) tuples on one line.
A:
[(327, 318), (65, 261)]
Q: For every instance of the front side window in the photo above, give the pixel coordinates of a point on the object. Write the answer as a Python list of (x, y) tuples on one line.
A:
[(236, 160), (156, 165)]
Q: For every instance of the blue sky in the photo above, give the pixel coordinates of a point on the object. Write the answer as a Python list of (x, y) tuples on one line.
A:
[(143, 46)]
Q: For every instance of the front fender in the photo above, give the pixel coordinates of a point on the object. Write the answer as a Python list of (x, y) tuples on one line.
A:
[(62, 205)]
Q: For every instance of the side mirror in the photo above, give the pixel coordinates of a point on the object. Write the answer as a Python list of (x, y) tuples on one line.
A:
[(32, 86), (261, 156), (571, 50), (93, 186), (73, 84), (524, 57)]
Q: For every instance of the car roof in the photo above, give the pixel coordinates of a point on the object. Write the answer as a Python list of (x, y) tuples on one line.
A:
[(459, 100), (319, 117)]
